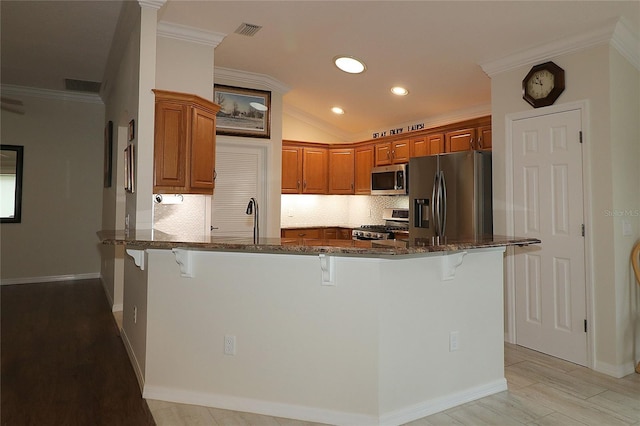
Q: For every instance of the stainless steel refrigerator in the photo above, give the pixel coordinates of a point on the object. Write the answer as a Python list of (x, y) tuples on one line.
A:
[(450, 197)]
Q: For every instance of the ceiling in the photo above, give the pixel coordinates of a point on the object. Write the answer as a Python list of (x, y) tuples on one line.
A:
[(433, 48)]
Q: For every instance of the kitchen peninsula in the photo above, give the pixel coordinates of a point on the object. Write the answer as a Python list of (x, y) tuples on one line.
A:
[(332, 331)]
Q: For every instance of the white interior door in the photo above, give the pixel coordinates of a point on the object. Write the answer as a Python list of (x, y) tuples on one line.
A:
[(239, 171), (550, 286)]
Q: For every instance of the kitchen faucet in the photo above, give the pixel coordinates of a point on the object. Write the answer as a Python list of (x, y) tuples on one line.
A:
[(252, 208)]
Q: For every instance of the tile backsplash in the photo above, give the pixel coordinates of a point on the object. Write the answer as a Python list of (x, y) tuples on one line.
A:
[(336, 210), (186, 218)]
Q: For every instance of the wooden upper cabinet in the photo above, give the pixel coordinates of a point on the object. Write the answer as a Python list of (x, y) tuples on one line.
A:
[(436, 143), (203, 149), (395, 152), (170, 148), (184, 144), (419, 147), (364, 160), (341, 171), (291, 170), (460, 140), (483, 134), (314, 171)]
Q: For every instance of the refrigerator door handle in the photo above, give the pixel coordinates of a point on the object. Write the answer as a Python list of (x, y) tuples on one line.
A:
[(434, 201), (443, 203)]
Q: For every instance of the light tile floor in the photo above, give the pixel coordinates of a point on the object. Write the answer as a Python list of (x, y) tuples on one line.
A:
[(543, 391)]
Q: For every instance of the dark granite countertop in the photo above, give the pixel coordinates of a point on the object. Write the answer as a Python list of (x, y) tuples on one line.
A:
[(151, 239)]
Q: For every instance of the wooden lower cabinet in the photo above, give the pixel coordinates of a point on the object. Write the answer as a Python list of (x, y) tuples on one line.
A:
[(330, 233)]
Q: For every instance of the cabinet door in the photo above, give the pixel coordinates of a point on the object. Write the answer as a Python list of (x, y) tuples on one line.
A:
[(383, 154), (484, 137), (330, 233), (170, 145), (460, 140), (436, 143), (341, 172), (315, 233), (314, 171), (363, 165), (291, 170), (419, 147), (400, 151), (203, 150)]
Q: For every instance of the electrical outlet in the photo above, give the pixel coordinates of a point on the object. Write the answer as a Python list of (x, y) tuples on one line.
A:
[(135, 314), (454, 341), (229, 345)]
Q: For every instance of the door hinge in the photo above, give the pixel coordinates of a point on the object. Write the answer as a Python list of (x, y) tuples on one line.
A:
[(583, 230), (585, 326), (580, 136)]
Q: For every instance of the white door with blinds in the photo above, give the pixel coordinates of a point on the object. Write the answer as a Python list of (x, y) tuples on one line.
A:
[(239, 169)]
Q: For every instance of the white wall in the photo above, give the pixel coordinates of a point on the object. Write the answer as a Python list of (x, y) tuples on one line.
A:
[(61, 191), (591, 75), (121, 104)]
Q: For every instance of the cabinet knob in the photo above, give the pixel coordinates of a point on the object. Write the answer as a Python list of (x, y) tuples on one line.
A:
[(471, 143), (215, 174), (304, 185), (480, 142), (298, 185)]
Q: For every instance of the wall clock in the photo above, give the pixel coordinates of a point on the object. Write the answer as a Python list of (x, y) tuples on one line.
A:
[(543, 84)]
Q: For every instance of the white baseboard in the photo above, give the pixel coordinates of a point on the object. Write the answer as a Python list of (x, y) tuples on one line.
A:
[(133, 359), (616, 371), (249, 405), (51, 278), (432, 406), (313, 414)]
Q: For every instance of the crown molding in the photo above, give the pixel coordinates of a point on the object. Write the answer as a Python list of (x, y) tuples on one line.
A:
[(625, 41), (617, 33), (153, 4), (191, 34), (60, 95), (250, 79), (317, 123), (438, 120)]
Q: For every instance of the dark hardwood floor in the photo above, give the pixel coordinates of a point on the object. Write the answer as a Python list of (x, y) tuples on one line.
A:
[(63, 362)]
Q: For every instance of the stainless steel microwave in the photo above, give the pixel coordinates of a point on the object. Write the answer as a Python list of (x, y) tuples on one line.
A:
[(390, 180)]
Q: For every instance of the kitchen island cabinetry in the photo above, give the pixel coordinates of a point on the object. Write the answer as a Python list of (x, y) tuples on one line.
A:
[(341, 171), (304, 169), (184, 144), (330, 331)]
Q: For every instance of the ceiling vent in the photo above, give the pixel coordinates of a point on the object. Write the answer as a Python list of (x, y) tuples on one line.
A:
[(82, 85), (248, 29)]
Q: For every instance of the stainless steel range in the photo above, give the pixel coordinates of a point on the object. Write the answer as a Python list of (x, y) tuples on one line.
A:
[(396, 226)]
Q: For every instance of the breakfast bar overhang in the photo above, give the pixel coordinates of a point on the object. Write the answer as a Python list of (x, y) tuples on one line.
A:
[(338, 332)]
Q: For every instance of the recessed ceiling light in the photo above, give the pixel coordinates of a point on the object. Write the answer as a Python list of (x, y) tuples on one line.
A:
[(337, 110), (349, 64), (400, 91)]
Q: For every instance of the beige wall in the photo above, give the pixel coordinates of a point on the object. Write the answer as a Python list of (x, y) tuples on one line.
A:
[(611, 149), (293, 128), (62, 189)]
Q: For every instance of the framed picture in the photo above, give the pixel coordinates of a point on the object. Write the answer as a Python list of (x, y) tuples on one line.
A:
[(129, 168), (132, 130), (108, 154), (243, 112)]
